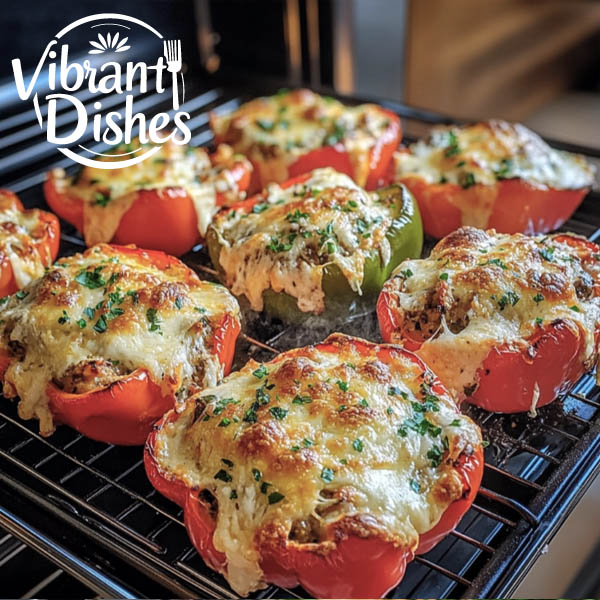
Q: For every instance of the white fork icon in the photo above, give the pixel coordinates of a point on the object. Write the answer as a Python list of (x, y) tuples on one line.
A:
[(172, 51)]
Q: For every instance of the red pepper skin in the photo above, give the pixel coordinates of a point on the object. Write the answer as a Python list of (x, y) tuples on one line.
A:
[(159, 219), (357, 567), (507, 378), (518, 206), (46, 245), (336, 156), (123, 412)]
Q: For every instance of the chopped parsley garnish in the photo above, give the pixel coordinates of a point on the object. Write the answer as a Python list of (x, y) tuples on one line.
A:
[(358, 445), (294, 217), (227, 462), (153, 320), (64, 318), (275, 497), (91, 279), (264, 487), (396, 391), (506, 299), (415, 486), (277, 246), (278, 412), (435, 456), (406, 273), (498, 262), (574, 308), (260, 372), (257, 474), (101, 199), (307, 443), (4, 300), (444, 276), (538, 298), (301, 399), (547, 254), (337, 135), (343, 385), (223, 475), (265, 124), (21, 294), (178, 302), (361, 226), (250, 416), (327, 474), (363, 402), (262, 396), (225, 422), (467, 181), (455, 423), (82, 324), (453, 148), (506, 165), (342, 408), (423, 426), (260, 207), (295, 448), (539, 320), (101, 325), (233, 495), (134, 296)]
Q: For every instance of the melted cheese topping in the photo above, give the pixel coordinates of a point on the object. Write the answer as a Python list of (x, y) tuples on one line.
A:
[(108, 305), (109, 193), (286, 242), (479, 290), (323, 439), (21, 232), (488, 152), (274, 131)]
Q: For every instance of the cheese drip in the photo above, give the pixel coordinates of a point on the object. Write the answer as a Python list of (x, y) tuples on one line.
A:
[(108, 194), (334, 454), (287, 241), (105, 305)]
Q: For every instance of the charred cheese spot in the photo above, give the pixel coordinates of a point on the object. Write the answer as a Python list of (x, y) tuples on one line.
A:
[(479, 290), (108, 194), (287, 241), (97, 316), (487, 152), (20, 235), (305, 473), (274, 131)]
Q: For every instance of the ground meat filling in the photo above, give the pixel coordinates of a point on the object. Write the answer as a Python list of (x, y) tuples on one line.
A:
[(89, 375)]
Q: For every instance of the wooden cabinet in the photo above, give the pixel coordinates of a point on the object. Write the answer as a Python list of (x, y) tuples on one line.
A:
[(480, 58)]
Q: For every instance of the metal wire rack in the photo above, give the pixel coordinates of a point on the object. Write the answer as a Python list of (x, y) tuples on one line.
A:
[(536, 469)]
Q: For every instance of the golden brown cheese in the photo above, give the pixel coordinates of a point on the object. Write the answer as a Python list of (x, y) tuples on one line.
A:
[(319, 437), (287, 241), (274, 131), (108, 194), (491, 151), (20, 234), (479, 289), (108, 306)]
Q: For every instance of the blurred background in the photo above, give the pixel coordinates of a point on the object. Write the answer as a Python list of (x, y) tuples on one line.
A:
[(535, 61)]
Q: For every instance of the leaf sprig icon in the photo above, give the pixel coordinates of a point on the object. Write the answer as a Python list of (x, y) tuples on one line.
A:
[(107, 43)]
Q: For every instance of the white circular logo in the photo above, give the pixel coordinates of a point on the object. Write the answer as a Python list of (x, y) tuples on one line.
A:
[(110, 85)]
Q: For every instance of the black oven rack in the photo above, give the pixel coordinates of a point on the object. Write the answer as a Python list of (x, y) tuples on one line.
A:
[(91, 504)]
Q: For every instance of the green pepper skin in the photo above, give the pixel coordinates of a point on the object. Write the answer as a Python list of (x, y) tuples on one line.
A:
[(405, 236)]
